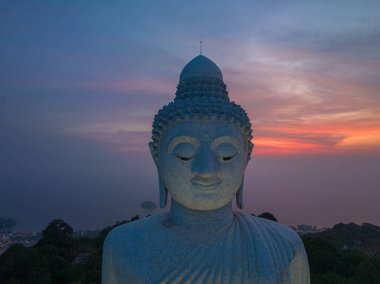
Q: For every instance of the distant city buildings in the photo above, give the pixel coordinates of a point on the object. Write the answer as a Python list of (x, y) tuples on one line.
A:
[(308, 229), (8, 238), (87, 233)]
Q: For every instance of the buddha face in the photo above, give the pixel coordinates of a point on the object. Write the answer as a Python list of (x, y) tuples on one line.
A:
[(202, 163)]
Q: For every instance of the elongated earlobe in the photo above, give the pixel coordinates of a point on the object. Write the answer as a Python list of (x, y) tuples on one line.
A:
[(239, 196), (153, 153), (163, 193)]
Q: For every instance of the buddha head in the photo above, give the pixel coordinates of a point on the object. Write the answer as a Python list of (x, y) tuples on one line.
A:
[(201, 141)]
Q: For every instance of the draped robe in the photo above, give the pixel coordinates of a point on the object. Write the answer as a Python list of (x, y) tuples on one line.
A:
[(188, 246)]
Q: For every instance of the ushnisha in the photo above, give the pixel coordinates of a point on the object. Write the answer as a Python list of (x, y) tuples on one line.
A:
[(201, 144)]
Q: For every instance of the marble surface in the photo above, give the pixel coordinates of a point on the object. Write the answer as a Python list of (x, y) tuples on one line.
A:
[(201, 66), (201, 146), (202, 164), (192, 246)]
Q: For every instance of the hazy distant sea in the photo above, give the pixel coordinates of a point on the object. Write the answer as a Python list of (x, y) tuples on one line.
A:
[(31, 227), (80, 222)]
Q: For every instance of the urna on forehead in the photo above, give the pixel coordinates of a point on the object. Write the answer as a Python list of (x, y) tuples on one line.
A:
[(201, 96)]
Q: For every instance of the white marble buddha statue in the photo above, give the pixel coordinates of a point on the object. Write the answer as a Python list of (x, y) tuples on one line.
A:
[(201, 146)]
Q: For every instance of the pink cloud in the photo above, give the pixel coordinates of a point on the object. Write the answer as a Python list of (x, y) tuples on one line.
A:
[(303, 102)]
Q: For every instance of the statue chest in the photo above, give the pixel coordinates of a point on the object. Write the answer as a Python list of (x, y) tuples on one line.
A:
[(237, 253)]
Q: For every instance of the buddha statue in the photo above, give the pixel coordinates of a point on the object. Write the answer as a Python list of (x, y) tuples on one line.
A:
[(201, 144)]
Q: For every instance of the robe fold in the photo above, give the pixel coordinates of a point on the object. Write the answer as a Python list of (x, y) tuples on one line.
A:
[(242, 249)]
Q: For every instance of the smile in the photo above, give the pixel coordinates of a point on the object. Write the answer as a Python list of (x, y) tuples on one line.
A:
[(206, 185)]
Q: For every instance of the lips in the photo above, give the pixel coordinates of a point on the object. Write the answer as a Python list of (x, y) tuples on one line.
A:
[(205, 183)]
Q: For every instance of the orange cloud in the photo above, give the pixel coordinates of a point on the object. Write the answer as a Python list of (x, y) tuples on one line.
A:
[(306, 102), (300, 102), (290, 140), (283, 146)]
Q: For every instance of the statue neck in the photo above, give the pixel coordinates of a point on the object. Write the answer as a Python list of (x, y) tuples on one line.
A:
[(182, 215)]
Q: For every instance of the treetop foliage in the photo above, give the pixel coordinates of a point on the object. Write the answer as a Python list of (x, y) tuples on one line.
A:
[(59, 257)]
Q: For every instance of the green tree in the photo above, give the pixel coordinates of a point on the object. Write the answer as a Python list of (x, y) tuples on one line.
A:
[(268, 215), (368, 272), (330, 278), (58, 233), (324, 257), (24, 265)]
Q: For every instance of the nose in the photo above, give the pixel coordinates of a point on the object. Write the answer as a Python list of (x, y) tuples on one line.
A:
[(205, 164)]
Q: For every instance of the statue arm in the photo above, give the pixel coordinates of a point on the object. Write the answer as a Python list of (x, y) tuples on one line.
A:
[(108, 272)]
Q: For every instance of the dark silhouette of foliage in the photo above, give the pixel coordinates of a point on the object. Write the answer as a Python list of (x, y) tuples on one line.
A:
[(324, 257), (57, 258), (346, 253), (58, 233), (368, 271), (61, 258), (268, 215), (365, 238), (330, 278), (24, 265)]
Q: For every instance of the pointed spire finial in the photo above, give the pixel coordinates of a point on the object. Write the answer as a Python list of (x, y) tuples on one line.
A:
[(200, 48)]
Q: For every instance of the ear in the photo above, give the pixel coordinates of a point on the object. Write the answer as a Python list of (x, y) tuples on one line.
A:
[(249, 155), (153, 153), (163, 193), (239, 196)]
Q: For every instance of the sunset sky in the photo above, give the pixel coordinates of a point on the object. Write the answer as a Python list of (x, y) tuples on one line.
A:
[(80, 82)]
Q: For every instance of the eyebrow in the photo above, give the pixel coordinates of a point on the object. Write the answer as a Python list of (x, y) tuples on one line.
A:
[(226, 139), (180, 139)]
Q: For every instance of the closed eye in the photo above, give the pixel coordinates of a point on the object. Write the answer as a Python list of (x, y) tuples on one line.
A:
[(226, 158), (184, 151), (183, 158), (226, 151)]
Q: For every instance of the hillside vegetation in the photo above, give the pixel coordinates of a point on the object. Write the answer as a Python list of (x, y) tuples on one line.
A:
[(344, 254)]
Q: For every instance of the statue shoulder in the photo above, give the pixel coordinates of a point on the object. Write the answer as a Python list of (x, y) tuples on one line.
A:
[(285, 243), (285, 231), (277, 231), (128, 244), (134, 231), (284, 238)]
